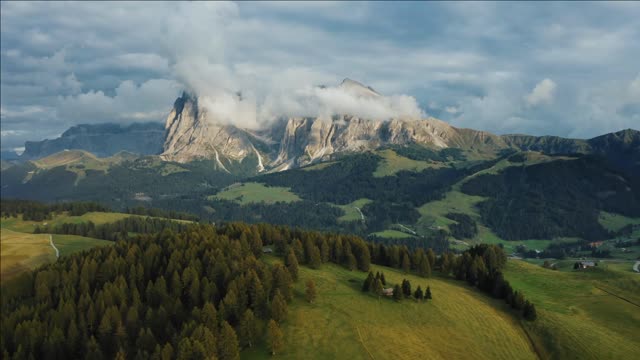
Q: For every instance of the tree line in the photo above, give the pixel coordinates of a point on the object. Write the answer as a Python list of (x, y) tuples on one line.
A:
[(117, 230), (36, 211)]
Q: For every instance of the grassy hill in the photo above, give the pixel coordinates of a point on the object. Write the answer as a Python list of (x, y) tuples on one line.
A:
[(252, 192), (22, 250), (345, 323), (580, 313)]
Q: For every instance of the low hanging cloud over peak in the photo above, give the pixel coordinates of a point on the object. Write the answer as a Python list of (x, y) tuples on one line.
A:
[(481, 64)]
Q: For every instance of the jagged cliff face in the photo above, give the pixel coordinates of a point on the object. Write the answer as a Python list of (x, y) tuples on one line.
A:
[(192, 135)]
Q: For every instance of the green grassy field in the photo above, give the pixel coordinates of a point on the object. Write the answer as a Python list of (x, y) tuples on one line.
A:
[(350, 211), (615, 222), (392, 234), (577, 317), (392, 163), (21, 250), (344, 323), (69, 244), (255, 192)]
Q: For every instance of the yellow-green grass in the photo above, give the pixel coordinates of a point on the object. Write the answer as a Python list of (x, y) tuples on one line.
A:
[(17, 224), (578, 318), (344, 323), (350, 211), (392, 163), (79, 161), (252, 192), (433, 213), (615, 222), (168, 169), (20, 252), (392, 234)]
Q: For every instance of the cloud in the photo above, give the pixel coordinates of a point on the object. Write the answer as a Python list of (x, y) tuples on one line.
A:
[(149, 101), (90, 62), (542, 93)]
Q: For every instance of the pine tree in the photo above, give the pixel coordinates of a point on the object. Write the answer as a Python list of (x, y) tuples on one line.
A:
[(248, 328), (384, 281), (406, 263), (397, 293), (228, 343), (377, 287), (278, 307), (406, 288), (427, 294), (368, 282), (167, 352), (529, 311), (311, 291), (275, 338), (419, 295), (291, 262)]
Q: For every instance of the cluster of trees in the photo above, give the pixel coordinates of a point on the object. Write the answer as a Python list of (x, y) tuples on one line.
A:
[(400, 257), (554, 199), (481, 266), (436, 240), (421, 153), (375, 284), (161, 213), (196, 294), (116, 230), (36, 211), (465, 227)]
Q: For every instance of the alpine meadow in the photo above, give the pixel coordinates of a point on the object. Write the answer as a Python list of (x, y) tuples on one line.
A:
[(319, 180)]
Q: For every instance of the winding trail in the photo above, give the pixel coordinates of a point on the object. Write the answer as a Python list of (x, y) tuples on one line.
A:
[(361, 214), (406, 228), (53, 246), (636, 267)]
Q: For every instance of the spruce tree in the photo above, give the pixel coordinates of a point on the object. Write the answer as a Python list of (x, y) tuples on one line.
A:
[(228, 343), (275, 338), (529, 311), (368, 282), (427, 294), (311, 291), (278, 307), (406, 288), (248, 328), (384, 281), (291, 262), (377, 287), (406, 263), (397, 293), (419, 295)]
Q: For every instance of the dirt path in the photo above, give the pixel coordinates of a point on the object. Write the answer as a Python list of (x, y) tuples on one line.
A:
[(361, 214), (53, 246), (406, 228)]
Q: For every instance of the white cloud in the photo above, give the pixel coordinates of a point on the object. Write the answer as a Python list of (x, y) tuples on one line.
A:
[(149, 101), (542, 93)]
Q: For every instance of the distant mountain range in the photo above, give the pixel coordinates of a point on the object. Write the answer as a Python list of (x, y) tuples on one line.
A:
[(393, 172), (102, 140)]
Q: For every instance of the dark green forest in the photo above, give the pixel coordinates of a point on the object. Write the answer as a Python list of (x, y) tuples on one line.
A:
[(554, 199)]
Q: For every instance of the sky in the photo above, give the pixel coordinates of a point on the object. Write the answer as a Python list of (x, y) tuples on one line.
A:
[(565, 69)]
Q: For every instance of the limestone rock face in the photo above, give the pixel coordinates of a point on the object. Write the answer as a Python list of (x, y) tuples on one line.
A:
[(191, 135), (293, 142)]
